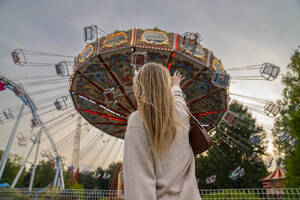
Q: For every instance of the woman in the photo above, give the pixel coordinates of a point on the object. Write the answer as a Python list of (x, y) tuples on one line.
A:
[(158, 161)]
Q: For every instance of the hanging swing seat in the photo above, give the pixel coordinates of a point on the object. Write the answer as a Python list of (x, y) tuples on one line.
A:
[(96, 175), (269, 161), (18, 56), (255, 139), (238, 172), (284, 136), (220, 80), (272, 109), (109, 95), (60, 103), (138, 60), (61, 69), (211, 179), (90, 33), (106, 176), (8, 114), (230, 118), (21, 140), (254, 158), (269, 71)]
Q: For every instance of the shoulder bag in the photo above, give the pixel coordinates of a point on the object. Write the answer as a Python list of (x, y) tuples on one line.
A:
[(200, 140)]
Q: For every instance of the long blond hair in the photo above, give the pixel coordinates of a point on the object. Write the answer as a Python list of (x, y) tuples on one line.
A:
[(152, 89)]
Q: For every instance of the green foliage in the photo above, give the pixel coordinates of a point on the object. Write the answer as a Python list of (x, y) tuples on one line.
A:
[(289, 121), (111, 170), (293, 172), (79, 193), (231, 149), (69, 179), (12, 167), (44, 174), (89, 183), (77, 186)]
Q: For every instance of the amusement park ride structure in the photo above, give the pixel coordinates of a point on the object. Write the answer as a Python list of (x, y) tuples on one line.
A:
[(100, 88), (20, 92), (76, 149), (101, 81)]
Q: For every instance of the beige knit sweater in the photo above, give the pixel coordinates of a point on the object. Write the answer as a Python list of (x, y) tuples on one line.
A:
[(146, 176)]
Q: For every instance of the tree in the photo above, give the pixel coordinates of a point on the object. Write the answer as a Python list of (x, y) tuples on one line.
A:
[(112, 168), (44, 174), (231, 148), (69, 179), (89, 182), (289, 122), (13, 164)]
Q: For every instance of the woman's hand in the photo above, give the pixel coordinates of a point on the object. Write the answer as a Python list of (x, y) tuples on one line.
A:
[(177, 78)]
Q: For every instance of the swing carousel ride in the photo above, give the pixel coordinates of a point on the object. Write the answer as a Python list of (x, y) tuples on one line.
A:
[(101, 83), (98, 89)]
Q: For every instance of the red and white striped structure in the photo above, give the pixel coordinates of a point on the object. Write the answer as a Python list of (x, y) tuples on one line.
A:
[(274, 181)]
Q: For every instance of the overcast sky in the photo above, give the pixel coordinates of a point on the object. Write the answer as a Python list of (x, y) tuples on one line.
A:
[(240, 33)]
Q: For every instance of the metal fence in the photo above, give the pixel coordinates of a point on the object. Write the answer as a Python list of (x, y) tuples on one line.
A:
[(95, 194)]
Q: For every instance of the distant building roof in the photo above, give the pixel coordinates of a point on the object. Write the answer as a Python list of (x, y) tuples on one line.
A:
[(279, 173)]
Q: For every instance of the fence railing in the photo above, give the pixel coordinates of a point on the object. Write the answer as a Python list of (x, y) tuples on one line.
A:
[(96, 194)]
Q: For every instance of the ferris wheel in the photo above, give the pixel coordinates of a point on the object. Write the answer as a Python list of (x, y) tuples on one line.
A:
[(52, 104), (36, 123), (87, 98)]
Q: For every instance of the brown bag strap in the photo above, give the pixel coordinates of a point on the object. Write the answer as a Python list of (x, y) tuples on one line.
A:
[(203, 130), (197, 122)]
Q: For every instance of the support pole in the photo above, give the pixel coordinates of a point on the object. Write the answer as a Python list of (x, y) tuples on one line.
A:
[(10, 141), (56, 177), (62, 183), (76, 150), (34, 163)]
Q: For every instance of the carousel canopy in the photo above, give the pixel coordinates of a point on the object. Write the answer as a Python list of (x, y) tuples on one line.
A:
[(101, 82)]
